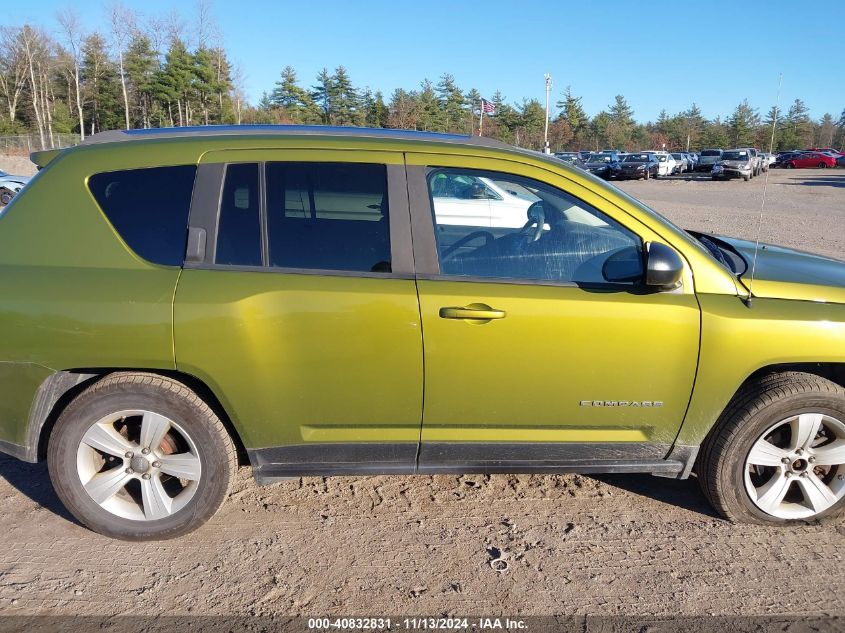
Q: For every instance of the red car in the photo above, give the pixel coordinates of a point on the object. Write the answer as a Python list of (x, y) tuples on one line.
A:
[(811, 159)]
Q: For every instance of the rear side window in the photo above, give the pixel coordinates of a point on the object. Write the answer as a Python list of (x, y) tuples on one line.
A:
[(328, 216), (148, 208)]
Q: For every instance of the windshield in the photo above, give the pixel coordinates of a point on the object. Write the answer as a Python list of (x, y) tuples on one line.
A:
[(677, 156), (735, 156), (711, 152), (598, 158), (636, 158), (3, 173)]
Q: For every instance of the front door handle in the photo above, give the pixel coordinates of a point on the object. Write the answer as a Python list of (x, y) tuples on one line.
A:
[(474, 311)]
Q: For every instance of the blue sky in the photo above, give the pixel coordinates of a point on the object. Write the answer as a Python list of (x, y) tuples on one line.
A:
[(658, 54)]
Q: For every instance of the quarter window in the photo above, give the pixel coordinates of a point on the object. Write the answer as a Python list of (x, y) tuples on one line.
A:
[(528, 230), (239, 224), (328, 216), (148, 208)]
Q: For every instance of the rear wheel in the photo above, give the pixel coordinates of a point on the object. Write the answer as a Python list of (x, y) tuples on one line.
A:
[(140, 457), (790, 165), (5, 197), (777, 455), (822, 165)]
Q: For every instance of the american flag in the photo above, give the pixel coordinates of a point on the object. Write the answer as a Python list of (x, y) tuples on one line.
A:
[(487, 107)]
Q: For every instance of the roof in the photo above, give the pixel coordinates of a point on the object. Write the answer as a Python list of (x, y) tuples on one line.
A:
[(210, 131)]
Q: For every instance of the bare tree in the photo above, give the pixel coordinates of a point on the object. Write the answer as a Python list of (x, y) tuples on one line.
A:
[(35, 48), (69, 21), (122, 25), (13, 69), (205, 26)]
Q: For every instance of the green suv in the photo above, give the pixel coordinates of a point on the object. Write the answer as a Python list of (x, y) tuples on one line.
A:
[(322, 301)]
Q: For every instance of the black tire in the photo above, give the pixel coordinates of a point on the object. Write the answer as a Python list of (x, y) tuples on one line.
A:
[(721, 464), (646, 176), (790, 165), (822, 165), (746, 178), (5, 197), (122, 391)]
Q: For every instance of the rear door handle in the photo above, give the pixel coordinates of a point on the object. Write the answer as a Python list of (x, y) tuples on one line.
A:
[(474, 311)]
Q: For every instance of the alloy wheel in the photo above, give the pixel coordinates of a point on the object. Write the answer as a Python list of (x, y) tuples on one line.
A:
[(796, 469), (138, 465)]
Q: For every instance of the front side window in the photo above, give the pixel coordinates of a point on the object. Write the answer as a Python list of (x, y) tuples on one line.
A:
[(328, 216), (148, 208), (533, 232)]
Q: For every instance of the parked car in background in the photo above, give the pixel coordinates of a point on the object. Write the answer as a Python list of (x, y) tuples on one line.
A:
[(571, 158), (605, 166), (764, 161), (783, 158), (639, 165), (708, 158), (584, 153), (666, 164), (755, 161), (9, 186), (693, 160), (809, 160), (829, 150), (681, 162), (467, 199), (840, 162), (735, 163)]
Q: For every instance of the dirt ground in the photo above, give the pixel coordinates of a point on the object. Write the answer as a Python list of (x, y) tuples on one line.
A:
[(575, 545)]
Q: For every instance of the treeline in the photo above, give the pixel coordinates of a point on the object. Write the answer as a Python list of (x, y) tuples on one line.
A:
[(139, 73), (155, 72)]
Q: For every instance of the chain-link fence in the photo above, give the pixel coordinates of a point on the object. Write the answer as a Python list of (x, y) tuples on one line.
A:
[(25, 143)]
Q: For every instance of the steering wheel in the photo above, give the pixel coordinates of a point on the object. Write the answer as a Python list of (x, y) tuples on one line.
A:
[(448, 253), (533, 229)]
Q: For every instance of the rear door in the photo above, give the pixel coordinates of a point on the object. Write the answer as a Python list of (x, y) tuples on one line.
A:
[(297, 305)]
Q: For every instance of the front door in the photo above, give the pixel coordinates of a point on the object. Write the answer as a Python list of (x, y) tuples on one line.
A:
[(531, 357), (301, 310)]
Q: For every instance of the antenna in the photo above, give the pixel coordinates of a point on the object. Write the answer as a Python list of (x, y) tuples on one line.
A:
[(748, 300)]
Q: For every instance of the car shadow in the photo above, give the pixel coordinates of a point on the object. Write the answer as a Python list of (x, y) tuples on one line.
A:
[(688, 176), (683, 493), (831, 180), (33, 480)]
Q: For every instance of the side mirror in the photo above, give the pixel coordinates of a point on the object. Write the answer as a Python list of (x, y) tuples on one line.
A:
[(664, 267)]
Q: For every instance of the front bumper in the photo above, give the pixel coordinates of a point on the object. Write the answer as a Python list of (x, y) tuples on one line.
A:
[(731, 172)]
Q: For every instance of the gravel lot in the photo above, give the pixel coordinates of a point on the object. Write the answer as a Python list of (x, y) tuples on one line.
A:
[(609, 545)]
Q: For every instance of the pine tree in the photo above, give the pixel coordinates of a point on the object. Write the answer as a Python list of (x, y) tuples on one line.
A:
[(743, 124), (322, 95), (141, 64), (296, 104), (101, 86), (773, 120), (797, 128), (621, 123), (573, 113), (452, 103), (343, 99), (430, 116)]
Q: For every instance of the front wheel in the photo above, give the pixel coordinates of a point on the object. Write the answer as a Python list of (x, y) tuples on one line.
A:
[(140, 457), (5, 197), (822, 165), (777, 454)]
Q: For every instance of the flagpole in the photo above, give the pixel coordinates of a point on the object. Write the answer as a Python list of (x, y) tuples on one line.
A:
[(481, 119)]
